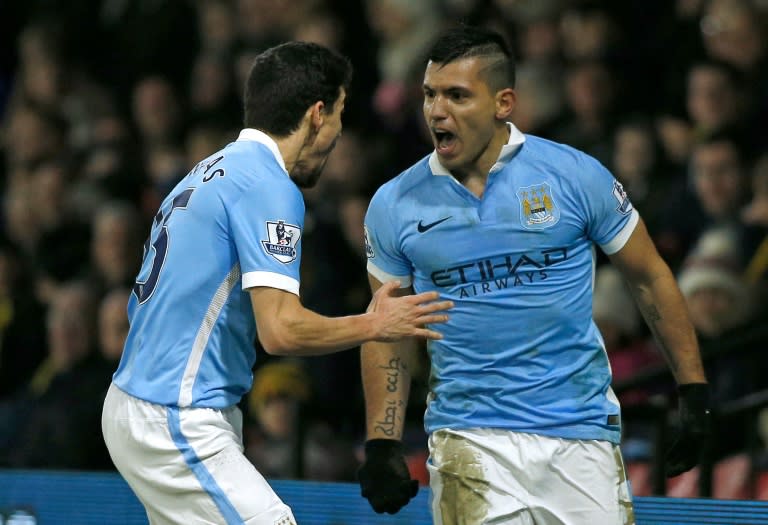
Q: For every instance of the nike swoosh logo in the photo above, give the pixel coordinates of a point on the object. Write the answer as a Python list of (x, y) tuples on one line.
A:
[(424, 227)]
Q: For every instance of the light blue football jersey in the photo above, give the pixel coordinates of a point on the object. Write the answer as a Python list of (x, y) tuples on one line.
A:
[(234, 222), (521, 350)]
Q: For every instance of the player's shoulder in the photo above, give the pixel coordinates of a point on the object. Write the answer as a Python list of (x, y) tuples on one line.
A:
[(406, 181), (561, 157), (241, 165)]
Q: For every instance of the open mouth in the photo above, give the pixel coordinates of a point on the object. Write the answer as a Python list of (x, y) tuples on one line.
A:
[(444, 140)]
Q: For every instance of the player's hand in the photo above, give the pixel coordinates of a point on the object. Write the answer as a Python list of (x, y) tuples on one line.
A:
[(405, 316), (695, 429), (384, 477)]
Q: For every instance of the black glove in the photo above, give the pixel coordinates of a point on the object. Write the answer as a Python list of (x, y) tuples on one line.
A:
[(695, 429), (384, 477)]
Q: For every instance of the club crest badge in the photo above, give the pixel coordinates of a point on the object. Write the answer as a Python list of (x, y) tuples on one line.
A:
[(282, 241), (538, 209)]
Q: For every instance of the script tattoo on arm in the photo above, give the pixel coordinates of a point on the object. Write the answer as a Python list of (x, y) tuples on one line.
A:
[(652, 317), (395, 408)]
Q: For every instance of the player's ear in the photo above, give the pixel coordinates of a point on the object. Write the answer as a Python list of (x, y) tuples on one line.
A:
[(506, 100), (317, 114)]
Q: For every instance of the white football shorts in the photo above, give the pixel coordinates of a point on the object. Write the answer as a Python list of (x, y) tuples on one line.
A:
[(483, 476), (186, 465)]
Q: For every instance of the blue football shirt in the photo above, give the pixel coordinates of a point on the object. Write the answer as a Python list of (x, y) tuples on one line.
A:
[(234, 222), (520, 350)]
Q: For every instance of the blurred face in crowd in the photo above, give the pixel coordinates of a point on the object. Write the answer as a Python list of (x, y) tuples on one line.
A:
[(114, 248), (711, 310), (633, 153), (732, 32), (155, 108), (465, 116), (113, 324), (277, 416), (712, 100), (717, 178), (70, 327)]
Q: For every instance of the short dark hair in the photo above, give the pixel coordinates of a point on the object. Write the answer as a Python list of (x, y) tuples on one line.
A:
[(465, 41), (287, 79)]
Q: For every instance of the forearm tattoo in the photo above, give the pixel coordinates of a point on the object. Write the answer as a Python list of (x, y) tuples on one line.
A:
[(652, 317), (394, 410)]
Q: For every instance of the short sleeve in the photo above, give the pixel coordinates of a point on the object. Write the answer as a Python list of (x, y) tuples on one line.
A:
[(266, 226), (611, 216), (386, 261)]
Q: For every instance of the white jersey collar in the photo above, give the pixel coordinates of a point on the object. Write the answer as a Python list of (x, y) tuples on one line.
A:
[(259, 136), (516, 139)]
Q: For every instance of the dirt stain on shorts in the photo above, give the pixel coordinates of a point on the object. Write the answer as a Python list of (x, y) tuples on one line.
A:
[(463, 499)]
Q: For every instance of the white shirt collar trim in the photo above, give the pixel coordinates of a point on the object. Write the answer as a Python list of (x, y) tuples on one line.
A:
[(259, 136), (516, 139)]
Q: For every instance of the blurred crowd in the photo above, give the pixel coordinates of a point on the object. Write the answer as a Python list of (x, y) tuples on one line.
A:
[(106, 104)]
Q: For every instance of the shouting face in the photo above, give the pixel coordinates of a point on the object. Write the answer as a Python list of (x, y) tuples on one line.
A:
[(466, 117)]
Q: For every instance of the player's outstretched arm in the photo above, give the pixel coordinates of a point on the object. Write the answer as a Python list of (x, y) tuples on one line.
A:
[(664, 309), (285, 327)]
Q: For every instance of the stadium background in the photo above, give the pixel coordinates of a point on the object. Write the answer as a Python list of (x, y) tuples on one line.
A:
[(105, 104)]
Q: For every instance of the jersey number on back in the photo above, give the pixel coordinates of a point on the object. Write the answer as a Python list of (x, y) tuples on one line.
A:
[(144, 289)]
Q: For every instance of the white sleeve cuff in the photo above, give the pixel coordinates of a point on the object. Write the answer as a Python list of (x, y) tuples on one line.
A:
[(621, 238), (270, 280), (405, 280)]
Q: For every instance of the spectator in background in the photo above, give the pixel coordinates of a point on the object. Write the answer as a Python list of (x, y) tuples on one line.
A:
[(64, 236), (288, 440), (217, 27), (675, 135), (715, 99), (734, 31), (56, 416), (590, 93), (165, 165), (33, 134), (156, 112), (113, 326), (22, 325), (638, 163), (721, 307), (213, 98), (755, 215), (713, 195), (404, 29), (202, 140), (109, 165), (115, 249)]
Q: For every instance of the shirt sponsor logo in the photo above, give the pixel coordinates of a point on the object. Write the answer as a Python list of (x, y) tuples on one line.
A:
[(486, 276), (537, 206), (282, 240)]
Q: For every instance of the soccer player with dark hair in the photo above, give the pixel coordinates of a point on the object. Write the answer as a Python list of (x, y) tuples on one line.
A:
[(222, 260), (523, 425)]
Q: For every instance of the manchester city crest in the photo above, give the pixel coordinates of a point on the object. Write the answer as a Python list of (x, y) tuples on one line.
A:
[(538, 209), (282, 240)]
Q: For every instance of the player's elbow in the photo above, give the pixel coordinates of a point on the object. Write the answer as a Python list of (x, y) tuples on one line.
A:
[(274, 344)]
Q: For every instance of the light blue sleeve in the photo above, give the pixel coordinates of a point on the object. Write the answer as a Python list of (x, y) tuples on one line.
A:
[(386, 260), (266, 225), (610, 214)]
